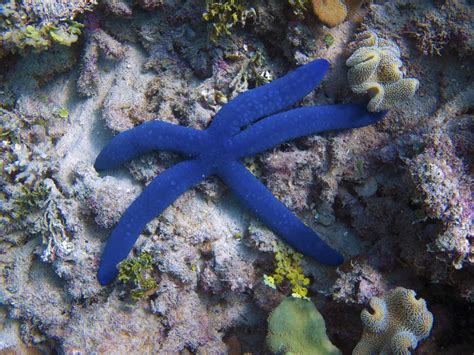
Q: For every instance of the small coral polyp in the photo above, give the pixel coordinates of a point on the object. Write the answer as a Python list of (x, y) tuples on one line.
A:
[(375, 69), (396, 324)]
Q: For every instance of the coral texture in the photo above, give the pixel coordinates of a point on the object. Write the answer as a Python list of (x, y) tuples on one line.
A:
[(444, 195), (393, 198), (96, 39), (375, 69), (395, 324), (296, 327), (334, 12), (54, 10), (218, 150)]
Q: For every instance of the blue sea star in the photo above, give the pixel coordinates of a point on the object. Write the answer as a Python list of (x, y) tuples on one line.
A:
[(232, 135)]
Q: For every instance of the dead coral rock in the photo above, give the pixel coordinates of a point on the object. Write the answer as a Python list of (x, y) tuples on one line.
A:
[(106, 198), (34, 291), (54, 10), (124, 104), (150, 4), (442, 190), (118, 7), (96, 40), (133, 329), (358, 282), (395, 324), (188, 322), (289, 175), (233, 265), (443, 28), (266, 297), (259, 237)]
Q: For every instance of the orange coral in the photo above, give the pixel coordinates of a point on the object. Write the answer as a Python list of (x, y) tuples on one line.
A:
[(334, 12)]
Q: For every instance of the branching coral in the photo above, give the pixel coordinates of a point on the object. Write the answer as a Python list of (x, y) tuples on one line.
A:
[(288, 268), (37, 25), (55, 230), (375, 68), (225, 15), (396, 323), (24, 165), (296, 327), (32, 203)]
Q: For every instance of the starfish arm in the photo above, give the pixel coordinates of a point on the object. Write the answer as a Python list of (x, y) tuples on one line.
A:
[(301, 122), (155, 198), (268, 99), (149, 136), (260, 201)]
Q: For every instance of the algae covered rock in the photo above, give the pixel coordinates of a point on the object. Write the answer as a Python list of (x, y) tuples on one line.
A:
[(37, 25), (297, 327)]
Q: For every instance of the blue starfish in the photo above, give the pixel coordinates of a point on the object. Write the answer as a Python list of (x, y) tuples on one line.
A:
[(239, 130)]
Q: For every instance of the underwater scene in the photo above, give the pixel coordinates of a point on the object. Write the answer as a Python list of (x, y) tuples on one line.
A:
[(237, 177)]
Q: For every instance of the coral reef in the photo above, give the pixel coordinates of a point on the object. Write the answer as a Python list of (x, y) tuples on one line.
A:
[(375, 68), (396, 323), (394, 197), (334, 12), (296, 327), (38, 25)]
